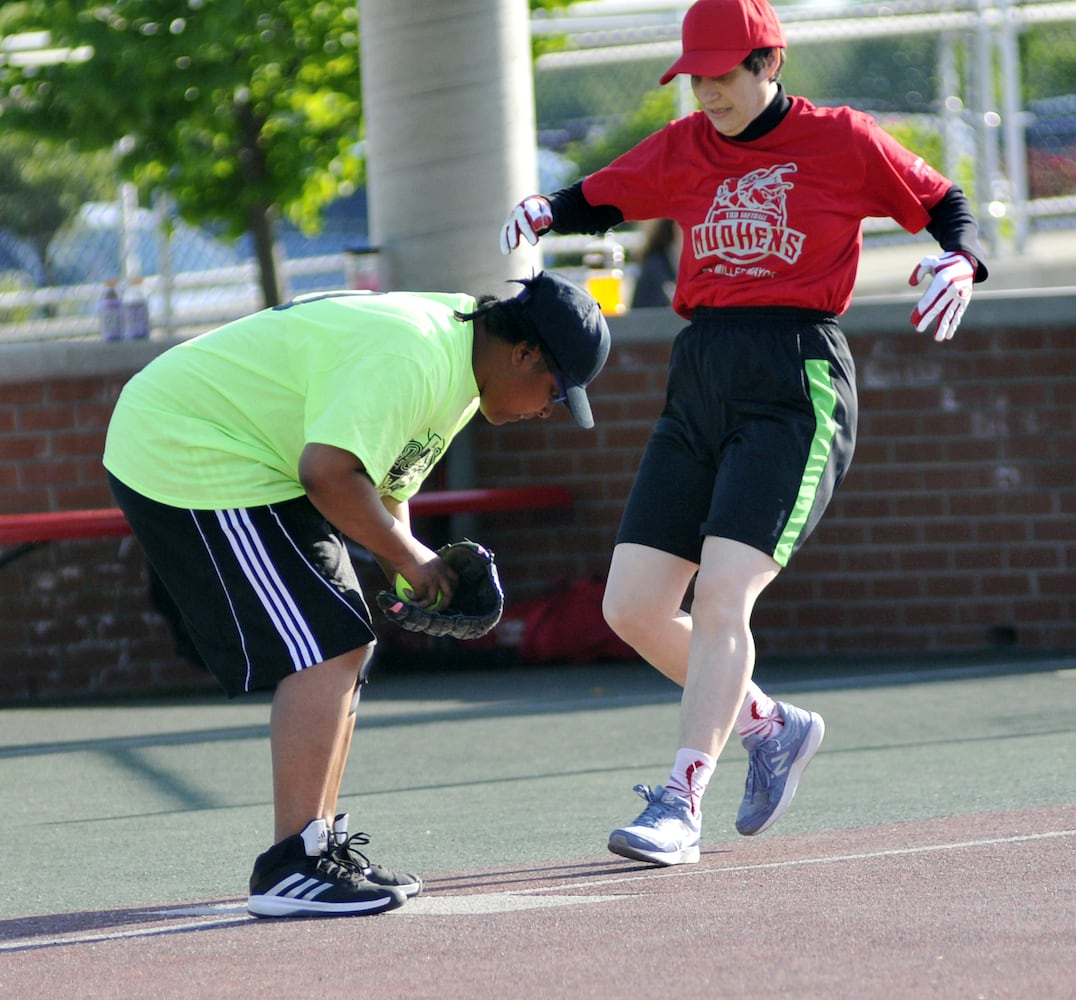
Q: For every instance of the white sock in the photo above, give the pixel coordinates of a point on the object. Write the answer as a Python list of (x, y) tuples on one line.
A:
[(690, 776), (316, 838), (338, 834), (759, 714)]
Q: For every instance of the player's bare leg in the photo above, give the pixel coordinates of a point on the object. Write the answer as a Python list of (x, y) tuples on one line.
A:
[(347, 846), (711, 654), (309, 736), (642, 605), (722, 653), (307, 733), (338, 761)]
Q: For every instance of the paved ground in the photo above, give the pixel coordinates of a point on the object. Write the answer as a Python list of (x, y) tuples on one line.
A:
[(928, 853)]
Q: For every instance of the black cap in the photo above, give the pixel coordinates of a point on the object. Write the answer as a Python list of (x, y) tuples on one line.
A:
[(568, 324)]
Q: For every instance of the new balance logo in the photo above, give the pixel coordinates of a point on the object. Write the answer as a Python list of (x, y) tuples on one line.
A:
[(780, 762)]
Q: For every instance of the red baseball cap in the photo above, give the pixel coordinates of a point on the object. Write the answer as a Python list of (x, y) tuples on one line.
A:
[(718, 35)]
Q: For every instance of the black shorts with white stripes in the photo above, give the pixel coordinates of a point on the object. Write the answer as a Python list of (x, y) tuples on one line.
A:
[(263, 591)]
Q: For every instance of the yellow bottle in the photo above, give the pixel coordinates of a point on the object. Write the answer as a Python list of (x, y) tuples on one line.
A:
[(604, 260)]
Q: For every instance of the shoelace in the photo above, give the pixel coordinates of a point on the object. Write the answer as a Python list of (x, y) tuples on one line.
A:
[(656, 810), (758, 770), (348, 853), (337, 867)]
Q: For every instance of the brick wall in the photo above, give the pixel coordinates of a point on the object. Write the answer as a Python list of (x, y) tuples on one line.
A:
[(76, 618), (955, 529)]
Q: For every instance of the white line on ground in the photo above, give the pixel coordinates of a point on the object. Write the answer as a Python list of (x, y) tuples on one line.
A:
[(684, 872), (488, 902), (200, 910), (226, 914)]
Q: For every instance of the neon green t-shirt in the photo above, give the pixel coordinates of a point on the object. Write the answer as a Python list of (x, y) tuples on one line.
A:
[(221, 420)]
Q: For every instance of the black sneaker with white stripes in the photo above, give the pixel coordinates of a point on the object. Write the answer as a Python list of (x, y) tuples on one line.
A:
[(299, 877)]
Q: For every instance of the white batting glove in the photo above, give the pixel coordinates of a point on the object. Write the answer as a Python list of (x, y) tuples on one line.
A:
[(948, 294), (527, 221)]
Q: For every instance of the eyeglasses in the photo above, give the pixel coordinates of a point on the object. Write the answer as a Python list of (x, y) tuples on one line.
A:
[(562, 392)]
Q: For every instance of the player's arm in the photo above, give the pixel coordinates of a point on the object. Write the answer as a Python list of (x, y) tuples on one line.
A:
[(564, 211), (572, 213), (336, 483), (401, 512), (948, 277), (953, 225)]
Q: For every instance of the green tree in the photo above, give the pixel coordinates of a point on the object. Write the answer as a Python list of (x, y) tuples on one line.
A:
[(656, 110), (39, 190), (237, 109), (1048, 60)]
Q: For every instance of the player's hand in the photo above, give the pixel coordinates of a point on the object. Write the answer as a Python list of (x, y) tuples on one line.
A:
[(948, 294), (473, 609), (430, 580), (527, 221)]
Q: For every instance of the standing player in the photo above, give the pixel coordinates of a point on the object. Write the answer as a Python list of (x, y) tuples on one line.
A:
[(759, 423), (245, 457)]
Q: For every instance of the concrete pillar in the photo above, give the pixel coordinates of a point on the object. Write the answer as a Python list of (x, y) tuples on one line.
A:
[(448, 100)]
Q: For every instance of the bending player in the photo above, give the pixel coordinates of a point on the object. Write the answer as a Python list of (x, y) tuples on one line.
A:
[(245, 457), (759, 423)]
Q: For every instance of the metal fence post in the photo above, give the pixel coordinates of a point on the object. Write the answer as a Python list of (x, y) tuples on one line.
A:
[(165, 283), (1012, 121)]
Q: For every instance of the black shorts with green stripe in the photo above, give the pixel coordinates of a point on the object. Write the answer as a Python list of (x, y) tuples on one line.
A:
[(757, 432), (263, 591)]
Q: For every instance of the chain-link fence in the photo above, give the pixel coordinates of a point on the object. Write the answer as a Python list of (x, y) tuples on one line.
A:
[(56, 281), (986, 91)]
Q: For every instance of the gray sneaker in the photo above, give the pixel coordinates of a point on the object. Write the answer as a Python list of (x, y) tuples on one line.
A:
[(665, 832), (774, 767)]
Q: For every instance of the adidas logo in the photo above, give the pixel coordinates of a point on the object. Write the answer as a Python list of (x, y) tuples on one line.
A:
[(297, 886)]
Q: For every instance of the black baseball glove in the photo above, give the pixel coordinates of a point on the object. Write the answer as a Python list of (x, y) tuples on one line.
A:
[(476, 605)]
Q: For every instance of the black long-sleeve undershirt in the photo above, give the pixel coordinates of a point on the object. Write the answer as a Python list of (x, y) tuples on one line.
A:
[(952, 222)]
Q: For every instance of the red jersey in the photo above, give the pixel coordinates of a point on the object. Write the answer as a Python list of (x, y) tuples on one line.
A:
[(777, 220)]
